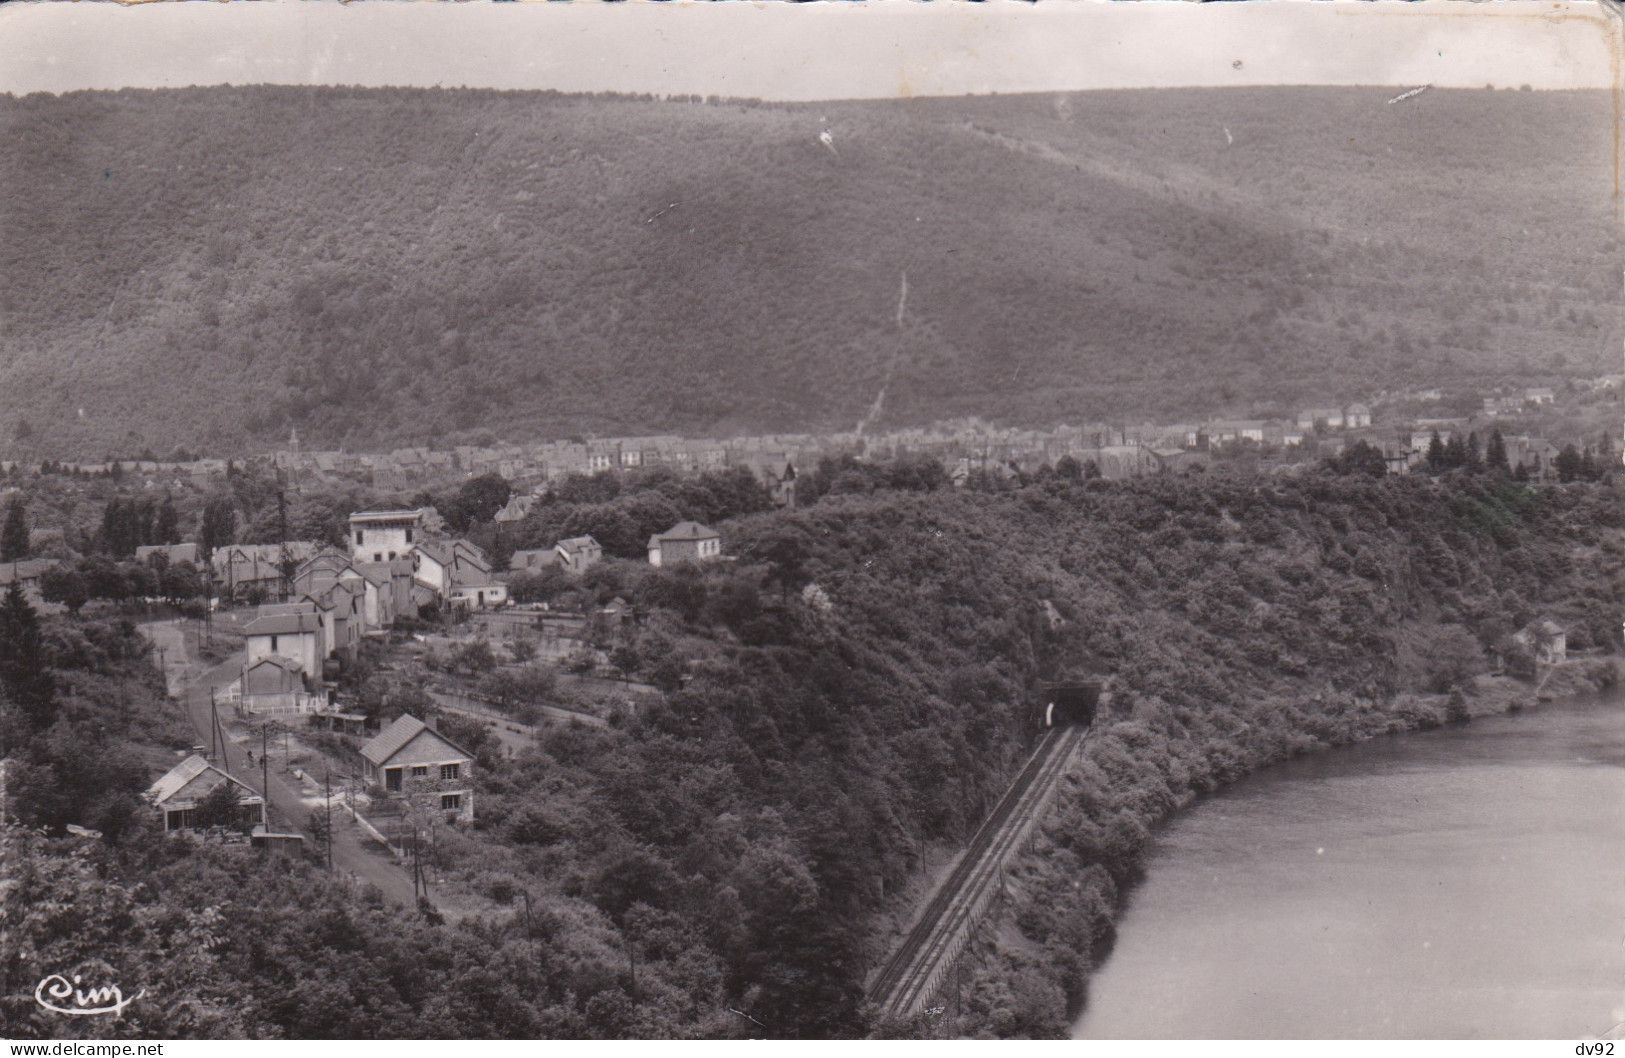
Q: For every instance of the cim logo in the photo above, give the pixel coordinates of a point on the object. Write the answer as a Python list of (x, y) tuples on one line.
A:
[(59, 996)]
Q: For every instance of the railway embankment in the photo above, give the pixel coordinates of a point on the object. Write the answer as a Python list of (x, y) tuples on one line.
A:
[(914, 974)]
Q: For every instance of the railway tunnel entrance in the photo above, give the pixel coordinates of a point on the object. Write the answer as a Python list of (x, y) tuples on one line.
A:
[(1068, 702)]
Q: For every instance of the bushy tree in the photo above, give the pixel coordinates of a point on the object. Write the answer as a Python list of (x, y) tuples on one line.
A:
[(222, 807), (477, 500), (14, 536), (1569, 464), (24, 676), (1495, 456), (219, 526), (66, 586), (1436, 458), (167, 528)]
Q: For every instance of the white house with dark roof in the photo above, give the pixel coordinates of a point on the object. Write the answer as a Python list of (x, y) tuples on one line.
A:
[(417, 764), (291, 630), (178, 794), (578, 553), (684, 542), (458, 573)]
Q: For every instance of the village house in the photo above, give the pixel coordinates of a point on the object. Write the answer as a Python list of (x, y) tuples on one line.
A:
[(1321, 418), (458, 573), (1357, 416), (328, 568), (179, 793), (515, 509), (174, 554), (1116, 462), (781, 488), (1237, 430), (401, 580), (272, 674), (709, 455), (684, 542), (379, 536), (1545, 639), (288, 630), (342, 606), (26, 574), (1539, 396), (1169, 459), (414, 763), (247, 569), (578, 553), (532, 560), (1398, 457), (482, 595), (1537, 455)]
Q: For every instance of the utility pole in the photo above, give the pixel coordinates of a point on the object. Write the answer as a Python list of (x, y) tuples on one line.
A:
[(214, 726), (282, 535), (327, 783), (265, 768), (959, 965), (417, 868)]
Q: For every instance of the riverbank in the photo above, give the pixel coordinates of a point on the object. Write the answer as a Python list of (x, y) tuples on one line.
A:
[(1027, 971)]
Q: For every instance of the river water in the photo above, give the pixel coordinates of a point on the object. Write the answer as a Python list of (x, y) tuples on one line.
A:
[(1461, 883)]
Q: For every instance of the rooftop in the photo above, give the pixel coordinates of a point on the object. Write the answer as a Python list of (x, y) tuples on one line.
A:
[(184, 773), (283, 624), (395, 737), (687, 531), (416, 514)]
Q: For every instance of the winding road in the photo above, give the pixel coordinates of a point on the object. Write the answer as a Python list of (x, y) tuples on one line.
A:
[(189, 680)]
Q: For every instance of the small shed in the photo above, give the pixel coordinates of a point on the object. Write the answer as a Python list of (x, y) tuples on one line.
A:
[(290, 844), (273, 674), (343, 723)]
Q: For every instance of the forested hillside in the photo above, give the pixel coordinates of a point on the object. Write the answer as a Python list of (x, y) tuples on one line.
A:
[(855, 689), (209, 267)]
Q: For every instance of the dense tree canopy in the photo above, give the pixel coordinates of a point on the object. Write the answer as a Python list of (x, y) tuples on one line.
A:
[(857, 687)]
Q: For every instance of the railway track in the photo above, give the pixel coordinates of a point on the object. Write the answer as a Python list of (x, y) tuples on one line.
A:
[(915, 971)]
